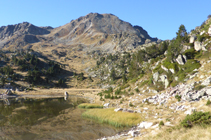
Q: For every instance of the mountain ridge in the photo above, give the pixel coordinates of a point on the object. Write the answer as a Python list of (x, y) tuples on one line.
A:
[(105, 32)]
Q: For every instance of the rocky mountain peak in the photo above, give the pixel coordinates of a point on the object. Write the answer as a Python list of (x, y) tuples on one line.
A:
[(21, 29)]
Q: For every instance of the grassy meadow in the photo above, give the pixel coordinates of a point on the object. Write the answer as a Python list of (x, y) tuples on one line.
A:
[(117, 119), (89, 106)]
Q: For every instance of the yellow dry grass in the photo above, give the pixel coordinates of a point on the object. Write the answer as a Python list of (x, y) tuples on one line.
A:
[(195, 133), (117, 119)]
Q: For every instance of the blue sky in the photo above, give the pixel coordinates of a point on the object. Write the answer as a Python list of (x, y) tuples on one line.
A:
[(160, 18)]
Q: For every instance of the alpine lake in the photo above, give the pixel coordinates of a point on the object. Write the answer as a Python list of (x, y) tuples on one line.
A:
[(48, 118)]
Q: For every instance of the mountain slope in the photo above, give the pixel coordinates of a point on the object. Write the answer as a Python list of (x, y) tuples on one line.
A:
[(101, 31), (104, 32)]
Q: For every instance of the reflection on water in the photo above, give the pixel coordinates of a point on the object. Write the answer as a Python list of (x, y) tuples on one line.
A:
[(51, 118)]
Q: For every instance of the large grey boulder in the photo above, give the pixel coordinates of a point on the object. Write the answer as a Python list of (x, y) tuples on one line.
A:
[(181, 59), (198, 46), (164, 80), (206, 82), (192, 38), (190, 111), (145, 125), (164, 68), (106, 105), (209, 31), (208, 91), (155, 76), (185, 47)]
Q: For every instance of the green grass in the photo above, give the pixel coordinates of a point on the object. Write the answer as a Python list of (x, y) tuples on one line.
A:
[(89, 106), (117, 119)]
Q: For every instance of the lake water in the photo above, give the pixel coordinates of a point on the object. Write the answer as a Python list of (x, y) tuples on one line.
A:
[(52, 118)]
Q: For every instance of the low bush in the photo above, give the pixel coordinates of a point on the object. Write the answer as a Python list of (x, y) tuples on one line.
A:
[(198, 87), (161, 123), (208, 102), (178, 97), (197, 118)]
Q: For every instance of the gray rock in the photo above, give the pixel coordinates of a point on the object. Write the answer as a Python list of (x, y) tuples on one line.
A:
[(197, 45), (206, 82), (209, 31), (201, 33), (155, 76), (181, 59), (145, 125), (133, 133), (208, 91), (106, 105), (118, 109), (192, 38), (164, 80), (190, 111), (164, 68), (201, 93), (172, 71)]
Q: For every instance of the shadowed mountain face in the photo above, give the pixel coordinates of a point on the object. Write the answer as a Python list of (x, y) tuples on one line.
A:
[(104, 32)]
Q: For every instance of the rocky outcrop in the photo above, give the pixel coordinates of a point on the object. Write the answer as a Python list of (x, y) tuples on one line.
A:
[(192, 38), (21, 29), (199, 46), (209, 31), (181, 59)]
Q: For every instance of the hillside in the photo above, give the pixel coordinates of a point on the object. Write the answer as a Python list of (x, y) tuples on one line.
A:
[(158, 82)]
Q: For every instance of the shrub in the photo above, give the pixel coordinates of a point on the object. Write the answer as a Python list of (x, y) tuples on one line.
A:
[(161, 123), (199, 87), (137, 90), (130, 104), (197, 118), (208, 102), (178, 97), (118, 91)]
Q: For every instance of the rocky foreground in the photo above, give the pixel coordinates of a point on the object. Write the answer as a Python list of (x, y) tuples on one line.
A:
[(169, 106)]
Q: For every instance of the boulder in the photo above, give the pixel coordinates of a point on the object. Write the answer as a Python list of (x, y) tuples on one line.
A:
[(172, 71), (106, 105), (145, 125), (209, 31), (197, 45), (208, 91), (133, 133), (155, 76), (164, 68), (181, 59), (190, 111), (164, 80), (118, 109), (201, 33), (192, 38), (206, 82)]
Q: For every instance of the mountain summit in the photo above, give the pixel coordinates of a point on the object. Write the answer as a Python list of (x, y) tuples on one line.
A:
[(104, 32)]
